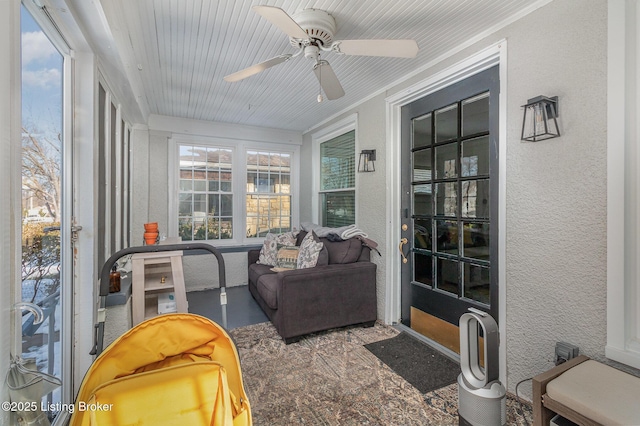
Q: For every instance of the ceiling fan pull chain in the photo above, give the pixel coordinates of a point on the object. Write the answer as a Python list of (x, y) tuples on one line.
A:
[(320, 82)]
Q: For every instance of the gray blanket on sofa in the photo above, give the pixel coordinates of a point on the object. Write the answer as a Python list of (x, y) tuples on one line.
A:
[(344, 232)]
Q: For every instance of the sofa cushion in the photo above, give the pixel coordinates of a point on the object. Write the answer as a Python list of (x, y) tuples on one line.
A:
[(256, 271), (268, 289), (347, 251)]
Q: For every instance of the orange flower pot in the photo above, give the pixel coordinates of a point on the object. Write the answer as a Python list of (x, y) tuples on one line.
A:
[(151, 227), (150, 237)]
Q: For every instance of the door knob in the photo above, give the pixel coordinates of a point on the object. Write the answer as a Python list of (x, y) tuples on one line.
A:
[(403, 241)]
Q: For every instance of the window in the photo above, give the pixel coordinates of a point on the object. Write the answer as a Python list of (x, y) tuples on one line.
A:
[(233, 191), (268, 199), (205, 210), (337, 180)]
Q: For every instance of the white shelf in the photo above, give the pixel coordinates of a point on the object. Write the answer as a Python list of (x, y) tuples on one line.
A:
[(149, 272)]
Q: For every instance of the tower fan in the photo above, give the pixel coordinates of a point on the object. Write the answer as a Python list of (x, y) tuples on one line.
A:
[(481, 396)]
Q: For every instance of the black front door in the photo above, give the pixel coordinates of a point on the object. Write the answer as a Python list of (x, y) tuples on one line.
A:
[(450, 200)]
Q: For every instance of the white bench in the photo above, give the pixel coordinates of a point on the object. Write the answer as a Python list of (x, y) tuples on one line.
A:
[(587, 393)]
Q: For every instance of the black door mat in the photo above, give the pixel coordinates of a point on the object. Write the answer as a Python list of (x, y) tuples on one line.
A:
[(418, 363)]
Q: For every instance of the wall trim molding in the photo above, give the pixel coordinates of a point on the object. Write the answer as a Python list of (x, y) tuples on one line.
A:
[(623, 184)]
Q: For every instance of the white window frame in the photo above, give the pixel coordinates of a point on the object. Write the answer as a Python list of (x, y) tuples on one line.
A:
[(339, 128), (623, 184), (239, 177)]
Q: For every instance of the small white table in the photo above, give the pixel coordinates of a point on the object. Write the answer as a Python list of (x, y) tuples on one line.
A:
[(153, 274)]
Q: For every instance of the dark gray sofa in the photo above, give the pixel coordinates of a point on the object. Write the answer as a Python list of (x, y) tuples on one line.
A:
[(339, 291)]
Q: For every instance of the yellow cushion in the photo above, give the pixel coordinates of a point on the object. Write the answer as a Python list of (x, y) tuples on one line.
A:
[(185, 394)]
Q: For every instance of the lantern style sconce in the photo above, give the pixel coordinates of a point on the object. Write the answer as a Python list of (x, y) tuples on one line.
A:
[(540, 119), (366, 162)]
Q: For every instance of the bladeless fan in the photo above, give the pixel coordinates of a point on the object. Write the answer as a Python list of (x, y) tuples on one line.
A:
[(481, 396)]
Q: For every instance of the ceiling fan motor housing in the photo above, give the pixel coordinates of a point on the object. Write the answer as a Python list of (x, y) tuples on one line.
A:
[(318, 24)]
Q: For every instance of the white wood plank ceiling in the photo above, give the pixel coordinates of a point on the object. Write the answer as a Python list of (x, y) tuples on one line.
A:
[(176, 52)]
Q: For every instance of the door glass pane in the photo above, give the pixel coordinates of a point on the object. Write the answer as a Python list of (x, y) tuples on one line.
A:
[(42, 153), (475, 115), (476, 240), (423, 268), (446, 156), (447, 236), (422, 232), (475, 198), (422, 205), (475, 157), (476, 283), (422, 131), (447, 199), (422, 165), (447, 123), (447, 279)]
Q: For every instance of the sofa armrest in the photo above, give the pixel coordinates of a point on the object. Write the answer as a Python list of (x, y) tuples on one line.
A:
[(327, 296), (252, 256)]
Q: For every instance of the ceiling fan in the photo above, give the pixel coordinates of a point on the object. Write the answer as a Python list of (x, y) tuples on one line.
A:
[(311, 31)]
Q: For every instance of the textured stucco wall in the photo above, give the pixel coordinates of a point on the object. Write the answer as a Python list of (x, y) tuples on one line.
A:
[(555, 192)]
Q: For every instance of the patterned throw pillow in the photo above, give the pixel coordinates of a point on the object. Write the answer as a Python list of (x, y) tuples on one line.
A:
[(310, 248), (287, 258), (269, 250)]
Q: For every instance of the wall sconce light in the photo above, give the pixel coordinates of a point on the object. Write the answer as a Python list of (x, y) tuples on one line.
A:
[(366, 162), (540, 119)]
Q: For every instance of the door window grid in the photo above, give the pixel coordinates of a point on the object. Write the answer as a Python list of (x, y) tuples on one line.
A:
[(463, 244)]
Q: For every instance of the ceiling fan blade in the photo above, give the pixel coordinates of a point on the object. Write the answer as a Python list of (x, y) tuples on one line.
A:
[(389, 48), (328, 80), (255, 69), (282, 20)]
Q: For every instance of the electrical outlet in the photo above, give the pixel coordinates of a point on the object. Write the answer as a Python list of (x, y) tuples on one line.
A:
[(565, 351)]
